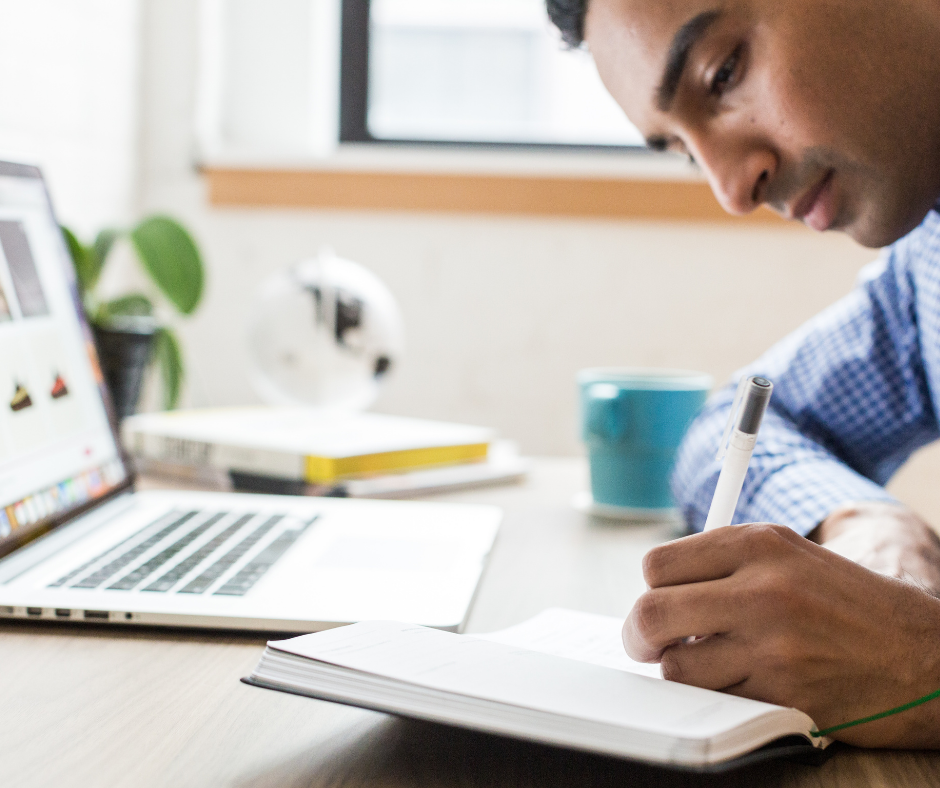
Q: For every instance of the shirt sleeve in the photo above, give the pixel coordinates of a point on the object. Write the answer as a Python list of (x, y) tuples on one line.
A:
[(850, 405)]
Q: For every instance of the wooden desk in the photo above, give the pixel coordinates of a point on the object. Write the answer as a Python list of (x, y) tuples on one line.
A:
[(100, 707)]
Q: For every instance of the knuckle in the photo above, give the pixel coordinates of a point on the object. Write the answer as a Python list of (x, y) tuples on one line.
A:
[(767, 539), (671, 666), (653, 564), (783, 655), (774, 591), (649, 617)]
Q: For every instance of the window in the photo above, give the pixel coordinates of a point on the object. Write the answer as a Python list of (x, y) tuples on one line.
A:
[(286, 81), (470, 71)]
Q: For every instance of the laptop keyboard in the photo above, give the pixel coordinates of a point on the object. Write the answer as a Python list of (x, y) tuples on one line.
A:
[(174, 563), (214, 572), (249, 574), (184, 567), (79, 569), (142, 572), (102, 574)]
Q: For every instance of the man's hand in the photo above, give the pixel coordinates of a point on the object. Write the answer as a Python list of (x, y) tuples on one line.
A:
[(759, 611), (887, 538)]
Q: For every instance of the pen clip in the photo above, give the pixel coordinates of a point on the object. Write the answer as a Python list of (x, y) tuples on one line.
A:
[(735, 405)]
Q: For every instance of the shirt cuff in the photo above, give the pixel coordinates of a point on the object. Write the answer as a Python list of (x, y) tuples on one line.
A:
[(801, 495)]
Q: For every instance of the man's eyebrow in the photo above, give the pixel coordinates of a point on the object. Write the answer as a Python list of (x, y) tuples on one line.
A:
[(682, 43)]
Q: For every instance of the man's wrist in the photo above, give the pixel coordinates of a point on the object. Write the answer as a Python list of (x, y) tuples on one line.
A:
[(842, 518), (887, 538)]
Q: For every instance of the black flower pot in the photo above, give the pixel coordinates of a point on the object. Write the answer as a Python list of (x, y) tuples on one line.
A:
[(124, 348)]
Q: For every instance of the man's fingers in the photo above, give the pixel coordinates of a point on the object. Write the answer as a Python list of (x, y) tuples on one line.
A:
[(716, 662), (663, 617), (635, 644), (714, 554)]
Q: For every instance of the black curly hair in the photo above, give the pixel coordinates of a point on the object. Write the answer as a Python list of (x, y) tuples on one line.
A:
[(568, 16)]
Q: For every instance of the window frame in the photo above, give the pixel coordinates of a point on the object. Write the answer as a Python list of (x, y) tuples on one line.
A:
[(354, 97)]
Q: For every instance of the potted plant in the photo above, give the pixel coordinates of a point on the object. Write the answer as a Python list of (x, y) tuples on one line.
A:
[(127, 332)]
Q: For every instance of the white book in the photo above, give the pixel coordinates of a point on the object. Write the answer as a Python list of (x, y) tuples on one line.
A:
[(560, 678), (304, 444)]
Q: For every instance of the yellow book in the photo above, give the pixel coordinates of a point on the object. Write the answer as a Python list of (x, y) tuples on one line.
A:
[(327, 469), (302, 444)]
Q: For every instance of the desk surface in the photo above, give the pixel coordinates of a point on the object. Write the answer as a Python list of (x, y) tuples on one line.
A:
[(97, 707)]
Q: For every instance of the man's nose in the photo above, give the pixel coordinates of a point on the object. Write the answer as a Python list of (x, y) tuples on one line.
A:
[(739, 174)]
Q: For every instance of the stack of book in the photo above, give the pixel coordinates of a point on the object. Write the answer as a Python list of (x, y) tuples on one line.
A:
[(304, 451)]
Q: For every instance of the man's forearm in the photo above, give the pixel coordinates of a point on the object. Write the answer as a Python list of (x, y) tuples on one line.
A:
[(798, 487), (887, 538)]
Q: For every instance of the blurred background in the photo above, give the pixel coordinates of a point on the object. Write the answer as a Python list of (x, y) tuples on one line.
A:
[(393, 131)]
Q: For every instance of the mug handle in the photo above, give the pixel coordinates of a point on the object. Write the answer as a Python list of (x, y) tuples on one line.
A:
[(605, 415)]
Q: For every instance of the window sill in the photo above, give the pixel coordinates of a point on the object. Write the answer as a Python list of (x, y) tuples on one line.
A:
[(579, 184)]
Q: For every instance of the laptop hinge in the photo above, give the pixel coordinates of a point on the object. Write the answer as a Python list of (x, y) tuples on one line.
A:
[(30, 555)]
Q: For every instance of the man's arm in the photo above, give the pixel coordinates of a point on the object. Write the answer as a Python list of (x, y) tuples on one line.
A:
[(887, 538), (759, 611), (851, 403)]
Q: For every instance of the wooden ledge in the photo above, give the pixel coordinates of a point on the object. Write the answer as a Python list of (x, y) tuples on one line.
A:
[(536, 195)]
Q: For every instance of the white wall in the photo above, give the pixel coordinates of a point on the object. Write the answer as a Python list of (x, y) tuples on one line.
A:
[(70, 74), (501, 313)]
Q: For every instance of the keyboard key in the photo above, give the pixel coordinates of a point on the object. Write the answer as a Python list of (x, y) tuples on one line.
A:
[(142, 572), (79, 569), (220, 567), (171, 578), (113, 567), (240, 583)]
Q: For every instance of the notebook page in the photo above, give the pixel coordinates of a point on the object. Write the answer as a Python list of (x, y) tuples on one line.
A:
[(493, 671), (586, 637)]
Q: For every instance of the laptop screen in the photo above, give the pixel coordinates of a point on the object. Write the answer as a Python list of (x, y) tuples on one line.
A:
[(57, 449)]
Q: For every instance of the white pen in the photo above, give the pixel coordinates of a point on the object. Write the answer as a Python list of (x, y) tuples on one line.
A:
[(737, 446)]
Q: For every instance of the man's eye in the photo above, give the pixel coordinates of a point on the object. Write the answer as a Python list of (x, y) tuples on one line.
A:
[(725, 74)]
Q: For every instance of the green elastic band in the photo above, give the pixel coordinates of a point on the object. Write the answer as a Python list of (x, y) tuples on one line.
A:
[(888, 713)]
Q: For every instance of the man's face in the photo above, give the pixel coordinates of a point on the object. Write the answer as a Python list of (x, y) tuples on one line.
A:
[(827, 110)]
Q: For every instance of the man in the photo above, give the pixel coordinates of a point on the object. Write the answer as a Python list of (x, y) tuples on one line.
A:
[(829, 112)]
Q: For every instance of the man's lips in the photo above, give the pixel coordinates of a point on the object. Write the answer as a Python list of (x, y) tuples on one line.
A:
[(817, 208)]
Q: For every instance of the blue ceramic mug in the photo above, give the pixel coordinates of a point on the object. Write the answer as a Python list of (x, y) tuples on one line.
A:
[(632, 422)]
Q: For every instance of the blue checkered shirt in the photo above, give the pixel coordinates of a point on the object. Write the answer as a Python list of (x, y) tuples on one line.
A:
[(856, 391)]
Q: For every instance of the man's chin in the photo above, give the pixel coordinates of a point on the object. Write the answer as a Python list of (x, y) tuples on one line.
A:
[(876, 231), (870, 237)]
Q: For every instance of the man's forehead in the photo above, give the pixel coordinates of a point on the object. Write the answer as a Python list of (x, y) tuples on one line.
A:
[(631, 41), (649, 24)]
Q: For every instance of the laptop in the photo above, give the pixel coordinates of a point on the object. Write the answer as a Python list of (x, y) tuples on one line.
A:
[(78, 544)]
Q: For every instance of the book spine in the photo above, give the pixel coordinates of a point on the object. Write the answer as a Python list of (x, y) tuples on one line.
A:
[(323, 470), (185, 451)]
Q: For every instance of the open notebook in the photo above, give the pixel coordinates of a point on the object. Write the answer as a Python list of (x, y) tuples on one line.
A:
[(560, 678)]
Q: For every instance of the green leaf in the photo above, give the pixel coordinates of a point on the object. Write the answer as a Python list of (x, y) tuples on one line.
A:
[(133, 304), (166, 352), (85, 259), (103, 243), (172, 260)]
